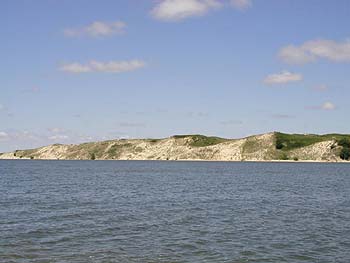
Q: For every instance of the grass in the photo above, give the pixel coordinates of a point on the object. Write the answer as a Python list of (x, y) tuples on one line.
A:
[(182, 136), (154, 140), (201, 140), (250, 146), (287, 142), (116, 149)]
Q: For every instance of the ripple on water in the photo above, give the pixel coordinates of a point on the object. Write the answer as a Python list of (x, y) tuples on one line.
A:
[(63, 211)]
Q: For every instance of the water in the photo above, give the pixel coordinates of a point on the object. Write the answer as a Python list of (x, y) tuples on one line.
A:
[(116, 211)]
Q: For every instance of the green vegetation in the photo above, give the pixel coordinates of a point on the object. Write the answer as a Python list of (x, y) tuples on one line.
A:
[(115, 150), (202, 141), (250, 146), (283, 156), (92, 156), (138, 149), (287, 142), (345, 151), (279, 144), (182, 136), (344, 142)]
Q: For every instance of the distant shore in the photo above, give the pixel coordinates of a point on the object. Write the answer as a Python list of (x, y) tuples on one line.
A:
[(269, 147)]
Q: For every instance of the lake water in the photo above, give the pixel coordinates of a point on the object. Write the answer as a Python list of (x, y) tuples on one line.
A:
[(132, 211)]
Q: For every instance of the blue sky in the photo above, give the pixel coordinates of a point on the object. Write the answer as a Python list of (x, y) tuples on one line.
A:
[(74, 71)]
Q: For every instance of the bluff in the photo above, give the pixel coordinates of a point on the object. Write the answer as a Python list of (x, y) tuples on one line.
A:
[(273, 146)]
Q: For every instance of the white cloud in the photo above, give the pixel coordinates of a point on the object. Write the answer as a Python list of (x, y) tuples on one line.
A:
[(325, 106), (282, 78), (328, 106), (241, 4), (321, 87), (19, 135), (295, 55), (75, 68), (58, 137), (111, 67), (316, 49), (97, 29), (3, 136), (175, 10)]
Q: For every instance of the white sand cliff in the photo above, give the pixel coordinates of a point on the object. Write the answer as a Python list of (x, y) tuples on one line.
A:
[(191, 147)]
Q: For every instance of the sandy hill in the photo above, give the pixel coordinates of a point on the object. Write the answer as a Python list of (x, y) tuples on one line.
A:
[(265, 147)]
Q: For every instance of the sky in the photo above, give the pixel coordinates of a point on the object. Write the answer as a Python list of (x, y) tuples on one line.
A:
[(77, 71)]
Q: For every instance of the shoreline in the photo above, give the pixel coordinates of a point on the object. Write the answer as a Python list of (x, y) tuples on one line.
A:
[(184, 160)]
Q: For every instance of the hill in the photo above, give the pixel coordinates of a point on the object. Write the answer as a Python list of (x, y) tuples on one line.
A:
[(265, 147)]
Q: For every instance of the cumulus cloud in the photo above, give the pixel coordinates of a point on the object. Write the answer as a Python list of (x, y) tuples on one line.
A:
[(175, 10), (96, 66), (328, 106), (325, 106), (241, 4), (283, 77), (97, 29), (75, 68), (316, 49)]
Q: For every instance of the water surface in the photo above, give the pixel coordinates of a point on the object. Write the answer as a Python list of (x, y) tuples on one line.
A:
[(130, 211)]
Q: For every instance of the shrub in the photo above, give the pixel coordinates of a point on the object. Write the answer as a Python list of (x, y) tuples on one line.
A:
[(279, 145), (296, 159), (284, 157), (345, 153), (294, 141), (92, 156), (344, 142)]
